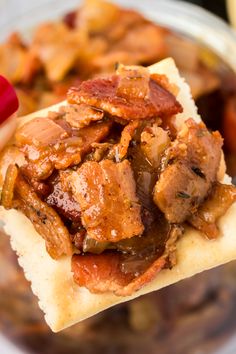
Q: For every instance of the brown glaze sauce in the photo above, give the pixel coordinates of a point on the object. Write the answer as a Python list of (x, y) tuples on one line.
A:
[(62, 201)]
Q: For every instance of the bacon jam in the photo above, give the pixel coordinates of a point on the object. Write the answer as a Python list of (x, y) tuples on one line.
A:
[(108, 182)]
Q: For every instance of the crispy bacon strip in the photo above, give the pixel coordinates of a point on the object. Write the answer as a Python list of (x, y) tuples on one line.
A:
[(102, 93), (103, 273), (45, 220)]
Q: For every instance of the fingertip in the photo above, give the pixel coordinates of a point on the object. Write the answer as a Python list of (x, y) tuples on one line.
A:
[(8, 99)]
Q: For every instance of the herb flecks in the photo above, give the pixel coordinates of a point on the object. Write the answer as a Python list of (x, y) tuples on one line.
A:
[(198, 172), (182, 195)]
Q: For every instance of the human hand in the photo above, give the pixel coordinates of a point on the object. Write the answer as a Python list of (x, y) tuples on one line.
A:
[(8, 107)]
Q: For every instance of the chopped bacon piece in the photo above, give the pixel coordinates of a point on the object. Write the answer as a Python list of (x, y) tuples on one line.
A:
[(42, 159), (66, 153), (106, 194), (133, 82), (39, 169), (78, 116), (99, 272), (105, 272), (218, 202), (183, 185), (41, 188), (40, 132), (102, 273), (102, 93), (164, 82), (93, 134)]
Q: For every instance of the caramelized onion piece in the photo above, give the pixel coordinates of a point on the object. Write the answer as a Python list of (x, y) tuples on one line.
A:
[(93, 246), (221, 198), (99, 273), (154, 140), (93, 134), (8, 186), (45, 220), (144, 174)]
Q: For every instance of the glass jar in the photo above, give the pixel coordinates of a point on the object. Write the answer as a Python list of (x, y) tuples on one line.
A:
[(20, 318)]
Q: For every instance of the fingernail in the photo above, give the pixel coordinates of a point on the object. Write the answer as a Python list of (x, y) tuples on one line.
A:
[(8, 100)]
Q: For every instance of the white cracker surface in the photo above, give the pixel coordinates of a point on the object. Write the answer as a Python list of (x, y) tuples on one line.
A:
[(63, 302)]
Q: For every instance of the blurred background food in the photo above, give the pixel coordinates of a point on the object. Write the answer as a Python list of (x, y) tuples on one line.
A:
[(193, 316)]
